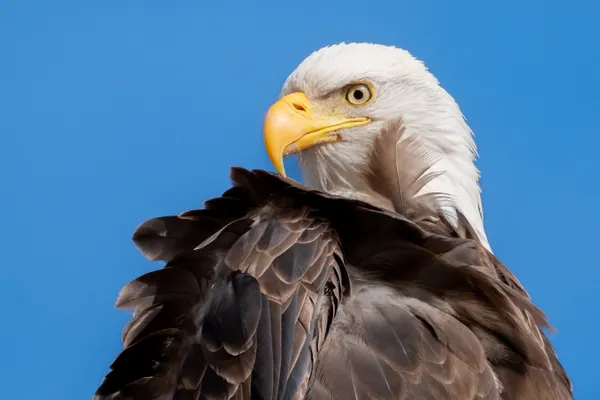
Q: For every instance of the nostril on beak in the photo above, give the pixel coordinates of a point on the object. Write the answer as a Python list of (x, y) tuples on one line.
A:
[(299, 107)]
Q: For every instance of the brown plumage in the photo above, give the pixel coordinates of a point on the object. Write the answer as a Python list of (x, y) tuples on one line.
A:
[(277, 291)]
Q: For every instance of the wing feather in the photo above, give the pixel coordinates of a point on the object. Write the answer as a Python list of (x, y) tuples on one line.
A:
[(274, 291)]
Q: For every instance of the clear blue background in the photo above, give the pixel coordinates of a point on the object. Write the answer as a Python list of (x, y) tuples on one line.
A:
[(112, 112)]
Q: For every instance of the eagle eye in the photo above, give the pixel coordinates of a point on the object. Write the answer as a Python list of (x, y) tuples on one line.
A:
[(359, 94)]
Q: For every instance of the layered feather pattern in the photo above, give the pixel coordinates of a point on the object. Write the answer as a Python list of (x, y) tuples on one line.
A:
[(276, 291)]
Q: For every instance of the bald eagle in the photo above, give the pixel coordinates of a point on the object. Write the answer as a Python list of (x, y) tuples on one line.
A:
[(374, 281)]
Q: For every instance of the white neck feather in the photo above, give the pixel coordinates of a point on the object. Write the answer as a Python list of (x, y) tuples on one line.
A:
[(339, 170)]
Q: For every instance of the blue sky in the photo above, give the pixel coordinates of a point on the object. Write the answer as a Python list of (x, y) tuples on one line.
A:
[(113, 112)]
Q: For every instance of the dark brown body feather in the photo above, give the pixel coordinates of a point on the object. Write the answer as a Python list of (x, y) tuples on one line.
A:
[(274, 291)]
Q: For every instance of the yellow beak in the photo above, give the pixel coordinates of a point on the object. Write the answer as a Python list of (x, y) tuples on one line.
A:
[(293, 124)]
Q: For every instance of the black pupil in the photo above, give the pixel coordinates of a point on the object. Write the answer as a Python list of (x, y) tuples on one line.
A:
[(358, 94)]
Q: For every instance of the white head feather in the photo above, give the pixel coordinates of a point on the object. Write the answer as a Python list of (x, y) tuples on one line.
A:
[(405, 89)]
